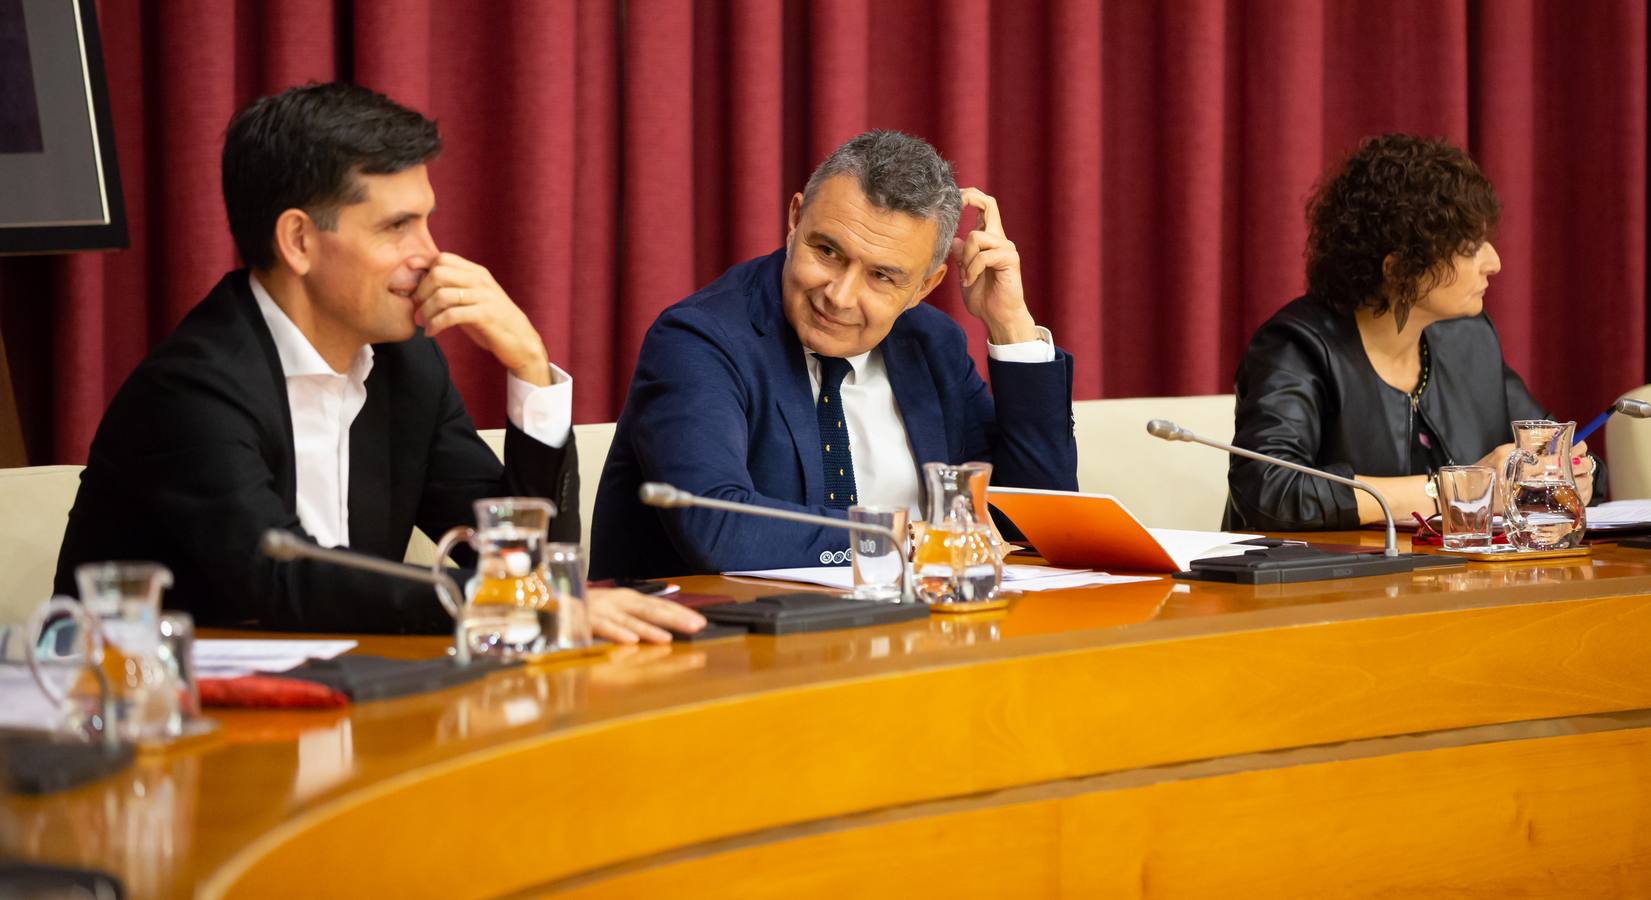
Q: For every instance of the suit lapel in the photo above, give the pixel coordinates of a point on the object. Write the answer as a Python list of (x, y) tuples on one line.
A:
[(270, 383), (370, 472), (795, 399), (783, 354), (919, 403)]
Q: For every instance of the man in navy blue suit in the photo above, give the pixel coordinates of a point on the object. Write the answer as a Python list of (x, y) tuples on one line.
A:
[(815, 378)]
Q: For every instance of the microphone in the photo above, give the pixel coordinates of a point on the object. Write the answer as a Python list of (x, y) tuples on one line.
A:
[(286, 546), (1628, 406), (665, 496), (1169, 431), (1638, 409)]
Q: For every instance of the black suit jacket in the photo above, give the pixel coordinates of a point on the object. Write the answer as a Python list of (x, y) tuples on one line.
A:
[(194, 460), (1307, 393)]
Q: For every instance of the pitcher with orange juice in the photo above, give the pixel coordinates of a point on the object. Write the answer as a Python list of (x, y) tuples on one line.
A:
[(527, 596), (958, 562)]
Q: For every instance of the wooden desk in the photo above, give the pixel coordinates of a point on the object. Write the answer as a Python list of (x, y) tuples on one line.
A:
[(1470, 731)]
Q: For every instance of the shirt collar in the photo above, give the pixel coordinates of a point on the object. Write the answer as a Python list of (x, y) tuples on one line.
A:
[(858, 365), (298, 356)]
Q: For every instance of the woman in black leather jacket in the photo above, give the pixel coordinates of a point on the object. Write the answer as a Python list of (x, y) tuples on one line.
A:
[(1389, 367)]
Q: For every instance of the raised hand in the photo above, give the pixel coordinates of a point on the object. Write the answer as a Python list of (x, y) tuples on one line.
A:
[(988, 267)]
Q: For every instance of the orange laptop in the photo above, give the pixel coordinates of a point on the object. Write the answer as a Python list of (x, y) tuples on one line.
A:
[(1096, 531)]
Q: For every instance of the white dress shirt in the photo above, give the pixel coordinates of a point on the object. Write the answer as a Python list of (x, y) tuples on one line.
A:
[(324, 404), (885, 473)]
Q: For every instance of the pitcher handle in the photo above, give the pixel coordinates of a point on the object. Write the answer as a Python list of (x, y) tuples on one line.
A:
[(88, 630), (1516, 458), (438, 567)]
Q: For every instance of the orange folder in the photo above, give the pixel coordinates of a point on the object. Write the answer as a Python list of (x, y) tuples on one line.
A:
[(1082, 530)]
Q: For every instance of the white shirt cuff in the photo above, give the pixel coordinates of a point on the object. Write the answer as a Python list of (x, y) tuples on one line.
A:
[(542, 413), (1041, 350)]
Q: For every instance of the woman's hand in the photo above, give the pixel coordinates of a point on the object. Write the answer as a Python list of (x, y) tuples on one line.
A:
[(1583, 466)]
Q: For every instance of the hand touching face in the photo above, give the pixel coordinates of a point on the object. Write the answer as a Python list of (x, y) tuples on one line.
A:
[(456, 292)]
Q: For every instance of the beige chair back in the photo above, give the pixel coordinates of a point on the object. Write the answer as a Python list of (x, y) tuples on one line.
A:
[(1166, 485), (1628, 449), (34, 511), (593, 443)]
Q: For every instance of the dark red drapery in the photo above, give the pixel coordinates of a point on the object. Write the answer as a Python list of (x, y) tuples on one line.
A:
[(605, 157)]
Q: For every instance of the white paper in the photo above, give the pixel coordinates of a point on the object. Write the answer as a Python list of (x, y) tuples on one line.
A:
[(223, 658), (1021, 577), (21, 703), (1080, 580), (1186, 546), (1620, 512)]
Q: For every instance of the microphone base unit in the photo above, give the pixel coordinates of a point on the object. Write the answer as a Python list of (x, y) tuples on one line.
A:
[(805, 611), (1291, 564)]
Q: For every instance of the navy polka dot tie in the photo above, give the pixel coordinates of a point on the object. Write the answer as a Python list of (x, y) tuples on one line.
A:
[(834, 449)]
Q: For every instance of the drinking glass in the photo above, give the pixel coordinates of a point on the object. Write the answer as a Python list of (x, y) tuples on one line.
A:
[(879, 562), (1465, 494), (565, 572), (177, 652)]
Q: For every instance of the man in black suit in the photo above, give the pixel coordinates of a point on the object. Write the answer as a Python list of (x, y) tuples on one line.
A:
[(300, 394)]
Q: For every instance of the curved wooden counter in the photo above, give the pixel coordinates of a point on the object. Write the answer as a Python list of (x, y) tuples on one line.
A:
[(1458, 730)]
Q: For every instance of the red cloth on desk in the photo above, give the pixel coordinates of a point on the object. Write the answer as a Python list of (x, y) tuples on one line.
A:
[(269, 692)]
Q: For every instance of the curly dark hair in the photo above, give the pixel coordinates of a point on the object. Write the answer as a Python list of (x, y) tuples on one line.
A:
[(1420, 200)]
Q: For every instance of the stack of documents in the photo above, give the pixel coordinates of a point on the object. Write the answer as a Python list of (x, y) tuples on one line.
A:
[(232, 658), (1620, 515)]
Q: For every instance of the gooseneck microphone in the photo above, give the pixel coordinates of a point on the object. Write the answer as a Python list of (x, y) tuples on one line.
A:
[(665, 496), (1637, 409), (1628, 406), (1169, 431), (286, 546)]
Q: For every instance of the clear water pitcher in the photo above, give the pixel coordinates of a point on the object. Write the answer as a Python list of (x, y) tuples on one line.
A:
[(118, 618), (1541, 506)]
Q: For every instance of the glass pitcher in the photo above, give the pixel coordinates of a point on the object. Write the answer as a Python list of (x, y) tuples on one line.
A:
[(958, 562), (119, 616), (1541, 507), (528, 595)]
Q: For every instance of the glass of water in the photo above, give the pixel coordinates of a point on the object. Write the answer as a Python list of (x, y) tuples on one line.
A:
[(1465, 494), (879, 563)]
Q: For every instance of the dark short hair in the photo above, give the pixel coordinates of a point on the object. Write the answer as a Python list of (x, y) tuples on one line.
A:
[(900, 173), (303, 148), (1420, 200)]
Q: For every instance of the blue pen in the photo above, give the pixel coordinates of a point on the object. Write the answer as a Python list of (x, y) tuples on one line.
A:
[(1628, 406), (1593, 426)]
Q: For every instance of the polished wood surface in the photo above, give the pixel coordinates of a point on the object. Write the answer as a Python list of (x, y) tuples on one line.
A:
[(695, 766), (1542, 818)]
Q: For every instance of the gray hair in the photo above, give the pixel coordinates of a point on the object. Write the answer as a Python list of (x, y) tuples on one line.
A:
[(900, 173)]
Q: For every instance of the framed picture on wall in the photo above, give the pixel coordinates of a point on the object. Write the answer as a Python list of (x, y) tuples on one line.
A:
[(58, 177)]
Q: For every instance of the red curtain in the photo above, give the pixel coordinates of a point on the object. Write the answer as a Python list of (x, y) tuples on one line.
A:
[(605, 157)]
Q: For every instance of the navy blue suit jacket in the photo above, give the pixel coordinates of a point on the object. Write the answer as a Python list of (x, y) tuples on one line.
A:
[(721, 406)]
